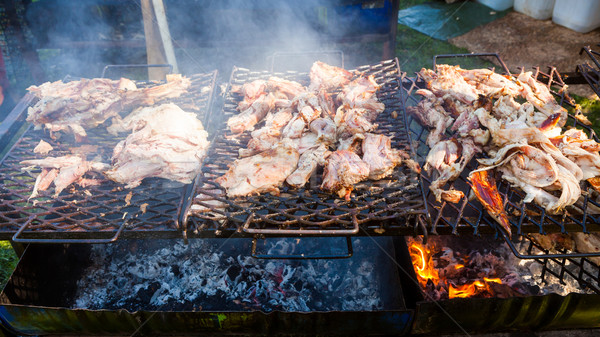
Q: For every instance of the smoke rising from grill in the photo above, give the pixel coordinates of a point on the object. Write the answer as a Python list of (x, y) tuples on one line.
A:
[(77, 38)]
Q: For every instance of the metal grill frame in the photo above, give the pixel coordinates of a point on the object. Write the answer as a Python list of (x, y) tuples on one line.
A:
[(469, 216), (268, 215), (102, 215), (591, 72)]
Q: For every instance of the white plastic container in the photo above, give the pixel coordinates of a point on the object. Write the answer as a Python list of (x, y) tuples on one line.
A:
[(581, 15), (497, 5), (537, 9)]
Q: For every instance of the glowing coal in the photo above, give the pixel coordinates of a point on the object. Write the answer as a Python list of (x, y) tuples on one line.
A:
[(219, 274)]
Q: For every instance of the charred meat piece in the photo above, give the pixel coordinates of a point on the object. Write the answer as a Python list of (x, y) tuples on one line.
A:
[(343, 170), (263, 172), (170, 145), (484, 186)]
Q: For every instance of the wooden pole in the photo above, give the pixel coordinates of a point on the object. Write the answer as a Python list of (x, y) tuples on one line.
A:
[(154, 48), (165, 34)]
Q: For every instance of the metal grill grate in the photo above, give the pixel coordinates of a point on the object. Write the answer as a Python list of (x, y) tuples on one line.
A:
[(95, 213), (390, 206), (469, 216)]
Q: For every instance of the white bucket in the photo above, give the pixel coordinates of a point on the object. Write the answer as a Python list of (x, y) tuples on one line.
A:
[(581, 15), (497, 5), (537, 9)]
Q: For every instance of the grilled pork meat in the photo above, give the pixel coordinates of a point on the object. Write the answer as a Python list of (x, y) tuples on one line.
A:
[(361, 93), (79, 105), (307, 165), (539, 95), (246, 119), (263, 172), (379, 155), (42, 147), (343, 170), (325, 76), (171, 144), (62, 171)]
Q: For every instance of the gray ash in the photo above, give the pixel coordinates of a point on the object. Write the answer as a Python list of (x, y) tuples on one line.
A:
[(217, 274)]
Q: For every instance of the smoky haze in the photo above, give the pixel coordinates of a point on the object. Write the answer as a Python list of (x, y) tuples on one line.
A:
[(208, 35)]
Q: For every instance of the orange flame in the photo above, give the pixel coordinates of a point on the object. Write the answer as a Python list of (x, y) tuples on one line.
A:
[(471, 289), (423, 264), (425, 270)]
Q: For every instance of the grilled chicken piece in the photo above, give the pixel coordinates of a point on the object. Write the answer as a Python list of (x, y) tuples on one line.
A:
[(290, 89), (171, 145), (77, 105), (63, 171), (325, 129), (251, 91), (43, 181), (489, 83), (587, 243), (532, 170), (378, 153), (361, 93), (529, 164), (449, 158), (326, 103), (175, 86), (246, 119), (484, 186), (430, 113), (42, 147), (537, 138), (540, 96), (325, 76), (447, 80), (307, 165), (263, 172), (343, 170), (294, 128), (353, 121), (267, 136), (353, 143)]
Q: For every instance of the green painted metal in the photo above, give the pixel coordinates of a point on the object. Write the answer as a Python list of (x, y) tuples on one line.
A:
[(533, 313), (44, 320)]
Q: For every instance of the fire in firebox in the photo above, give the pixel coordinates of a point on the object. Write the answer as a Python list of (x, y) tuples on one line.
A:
[(449, 267)]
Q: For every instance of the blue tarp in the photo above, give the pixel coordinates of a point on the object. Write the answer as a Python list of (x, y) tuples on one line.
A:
[(444, 21)]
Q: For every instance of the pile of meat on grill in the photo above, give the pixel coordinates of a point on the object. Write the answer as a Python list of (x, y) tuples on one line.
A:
[(302, 128), (513, 125), (163, 140)]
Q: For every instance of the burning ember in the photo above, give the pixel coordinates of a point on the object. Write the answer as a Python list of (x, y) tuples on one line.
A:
[(219, 274), (446, 273)]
